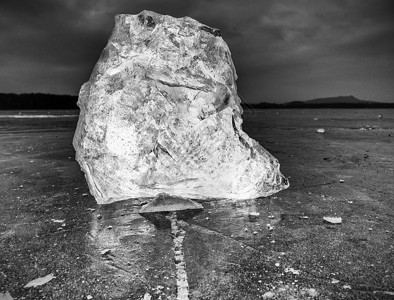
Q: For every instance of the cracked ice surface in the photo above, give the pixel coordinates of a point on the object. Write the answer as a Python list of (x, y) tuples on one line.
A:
[(160, 113)]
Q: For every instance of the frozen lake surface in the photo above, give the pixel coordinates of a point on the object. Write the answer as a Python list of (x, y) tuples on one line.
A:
[(49, 223)]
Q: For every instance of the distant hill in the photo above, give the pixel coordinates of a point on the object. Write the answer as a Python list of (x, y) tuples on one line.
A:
[(339, 100), (37, 101), (329, 102)]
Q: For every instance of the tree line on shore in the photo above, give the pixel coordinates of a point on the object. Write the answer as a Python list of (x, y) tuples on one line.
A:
[(35, 101)]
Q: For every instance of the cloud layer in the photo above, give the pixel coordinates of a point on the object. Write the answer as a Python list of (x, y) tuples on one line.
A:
[(283, 50)]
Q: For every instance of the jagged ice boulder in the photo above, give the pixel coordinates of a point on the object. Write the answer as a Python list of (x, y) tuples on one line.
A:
[(160, 114)]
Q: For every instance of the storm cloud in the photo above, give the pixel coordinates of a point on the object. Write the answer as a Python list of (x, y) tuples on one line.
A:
[(283, 50)]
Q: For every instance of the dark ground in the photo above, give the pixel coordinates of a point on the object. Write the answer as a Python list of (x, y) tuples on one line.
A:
[(49, 225)]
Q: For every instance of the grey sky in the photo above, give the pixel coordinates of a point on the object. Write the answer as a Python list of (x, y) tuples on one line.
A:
[(283, 50)]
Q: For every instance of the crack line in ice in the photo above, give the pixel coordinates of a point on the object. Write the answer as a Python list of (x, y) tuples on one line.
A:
[(225, 236), (178, 235)]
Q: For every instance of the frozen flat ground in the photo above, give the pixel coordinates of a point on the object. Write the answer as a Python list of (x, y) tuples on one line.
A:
[(49, 225)]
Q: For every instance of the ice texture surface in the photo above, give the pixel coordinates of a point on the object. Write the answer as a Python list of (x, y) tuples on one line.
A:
[(160, 114)]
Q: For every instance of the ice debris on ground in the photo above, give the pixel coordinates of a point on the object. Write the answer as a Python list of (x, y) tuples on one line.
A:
[(57, 221), (334, 281), (253, 216), (333, 220), (147, 296), (105, 252), (312, 292), (6, 296), (292, 271), (268, 295), (40, 281)]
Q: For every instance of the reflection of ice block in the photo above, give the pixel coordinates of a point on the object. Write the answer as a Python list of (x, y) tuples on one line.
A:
[(160, 114)]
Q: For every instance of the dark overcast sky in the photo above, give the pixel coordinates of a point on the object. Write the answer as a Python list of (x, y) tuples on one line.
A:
[(283, 50)]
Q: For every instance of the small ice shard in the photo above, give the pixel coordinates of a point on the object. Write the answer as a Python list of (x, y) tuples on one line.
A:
[(268, 295), (105, 252), (292, 270), (333, 220), (147, 296), (312, 292), (160, 114), (334, 281), (320, 130), (40, 281), (57, 221), (6, 296), (253, 215)]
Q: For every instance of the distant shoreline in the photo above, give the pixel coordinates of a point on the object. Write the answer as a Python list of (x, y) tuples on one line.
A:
[(22, 116), (316, 106), (328, 102), (42, 101)]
